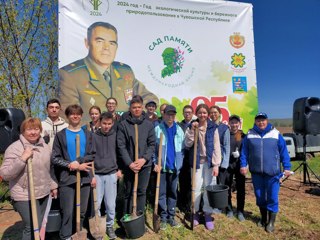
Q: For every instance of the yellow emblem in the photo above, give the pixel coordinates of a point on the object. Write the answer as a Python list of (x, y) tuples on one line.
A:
[(92, 75), (116, 73), (90, 92)]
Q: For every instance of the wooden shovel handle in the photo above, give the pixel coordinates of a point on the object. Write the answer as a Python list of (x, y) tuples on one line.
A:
[(33, 202), (195, 147), (135, 185), (94, 190), (78, 226), (158, 175)]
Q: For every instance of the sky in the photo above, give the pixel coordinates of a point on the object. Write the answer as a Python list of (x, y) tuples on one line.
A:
[(287, 52)]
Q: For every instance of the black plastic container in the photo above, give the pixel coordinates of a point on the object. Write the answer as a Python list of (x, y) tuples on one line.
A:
[(54, 221), (134, 227), (217, 195)]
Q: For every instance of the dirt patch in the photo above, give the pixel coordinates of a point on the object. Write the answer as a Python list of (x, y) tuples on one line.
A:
[(299, 218)]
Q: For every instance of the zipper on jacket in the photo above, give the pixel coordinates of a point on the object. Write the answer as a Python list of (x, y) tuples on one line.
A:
[(261, 152)]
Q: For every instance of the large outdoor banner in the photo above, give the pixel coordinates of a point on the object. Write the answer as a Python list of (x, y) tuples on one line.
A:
[(171, 51)]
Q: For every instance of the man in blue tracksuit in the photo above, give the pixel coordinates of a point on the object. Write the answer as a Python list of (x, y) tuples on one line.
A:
[(172, 158), (264, 149)]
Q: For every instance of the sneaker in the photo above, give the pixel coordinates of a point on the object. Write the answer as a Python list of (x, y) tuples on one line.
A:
[(196, 219), (240, 216), (216, 211), (174, 224), (163, 226), (229, 214), (111, 234), (208, 222)]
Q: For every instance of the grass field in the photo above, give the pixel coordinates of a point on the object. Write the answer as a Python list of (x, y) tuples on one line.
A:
[(298, 218)]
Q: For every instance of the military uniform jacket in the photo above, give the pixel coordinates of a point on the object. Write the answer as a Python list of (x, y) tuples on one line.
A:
[(81, 83)]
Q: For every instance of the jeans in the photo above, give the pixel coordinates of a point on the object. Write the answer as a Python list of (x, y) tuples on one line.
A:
[(203, 178), (168, 195), (143, 180), (107, 189), (24, 209)]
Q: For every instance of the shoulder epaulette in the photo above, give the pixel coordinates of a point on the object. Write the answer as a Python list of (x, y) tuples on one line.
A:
[(120, 65), (74, 66)]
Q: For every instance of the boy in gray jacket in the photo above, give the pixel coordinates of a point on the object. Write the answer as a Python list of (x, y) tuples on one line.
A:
[(106, 168)]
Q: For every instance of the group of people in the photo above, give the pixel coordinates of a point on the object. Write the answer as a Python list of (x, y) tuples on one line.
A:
[(107, 153)]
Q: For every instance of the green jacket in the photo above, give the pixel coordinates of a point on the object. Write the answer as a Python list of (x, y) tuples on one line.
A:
[(81, 83)]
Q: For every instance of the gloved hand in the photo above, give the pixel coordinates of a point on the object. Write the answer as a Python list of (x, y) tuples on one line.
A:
[(236, 154)]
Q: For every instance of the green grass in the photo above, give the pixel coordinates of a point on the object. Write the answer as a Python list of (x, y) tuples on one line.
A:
[(313, 163), (298, 218)]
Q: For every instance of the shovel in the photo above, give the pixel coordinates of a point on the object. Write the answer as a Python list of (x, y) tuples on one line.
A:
[(80, 234), (45, 219), (135, 184), (97, 224), (195, 147), (33, 202), (156, 217)]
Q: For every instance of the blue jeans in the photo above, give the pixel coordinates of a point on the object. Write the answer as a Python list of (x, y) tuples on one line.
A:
[(168, 195), (107, 189), (266, 189)]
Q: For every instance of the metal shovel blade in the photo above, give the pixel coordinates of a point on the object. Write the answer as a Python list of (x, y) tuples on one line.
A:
[(97, 227), (80, 235), (156, 222)]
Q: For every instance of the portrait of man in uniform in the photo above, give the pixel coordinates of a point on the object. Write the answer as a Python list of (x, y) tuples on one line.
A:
[(91, 80)]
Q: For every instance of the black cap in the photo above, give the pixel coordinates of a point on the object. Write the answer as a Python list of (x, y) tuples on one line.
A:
[(261, 115), (234, 117), (170, 109), (151, 101)]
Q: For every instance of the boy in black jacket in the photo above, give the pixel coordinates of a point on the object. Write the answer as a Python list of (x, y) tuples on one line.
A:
[(126, 147), (106, 168), (66, 164)]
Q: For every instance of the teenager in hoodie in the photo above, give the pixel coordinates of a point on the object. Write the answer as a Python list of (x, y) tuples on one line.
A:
[(106, 168), (263, 149), (53, 122), (126, 147)]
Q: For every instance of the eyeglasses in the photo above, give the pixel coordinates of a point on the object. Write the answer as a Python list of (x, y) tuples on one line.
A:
[(187, 112)]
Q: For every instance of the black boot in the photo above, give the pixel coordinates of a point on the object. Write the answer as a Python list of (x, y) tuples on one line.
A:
[(264, 217), (272, 219)]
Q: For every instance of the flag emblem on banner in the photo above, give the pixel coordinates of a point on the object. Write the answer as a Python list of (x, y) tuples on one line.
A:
[(238, 60), (236, 40), (239, 84)]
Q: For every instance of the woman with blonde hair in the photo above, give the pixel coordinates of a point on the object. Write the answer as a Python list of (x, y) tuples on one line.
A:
[(14, 169)]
